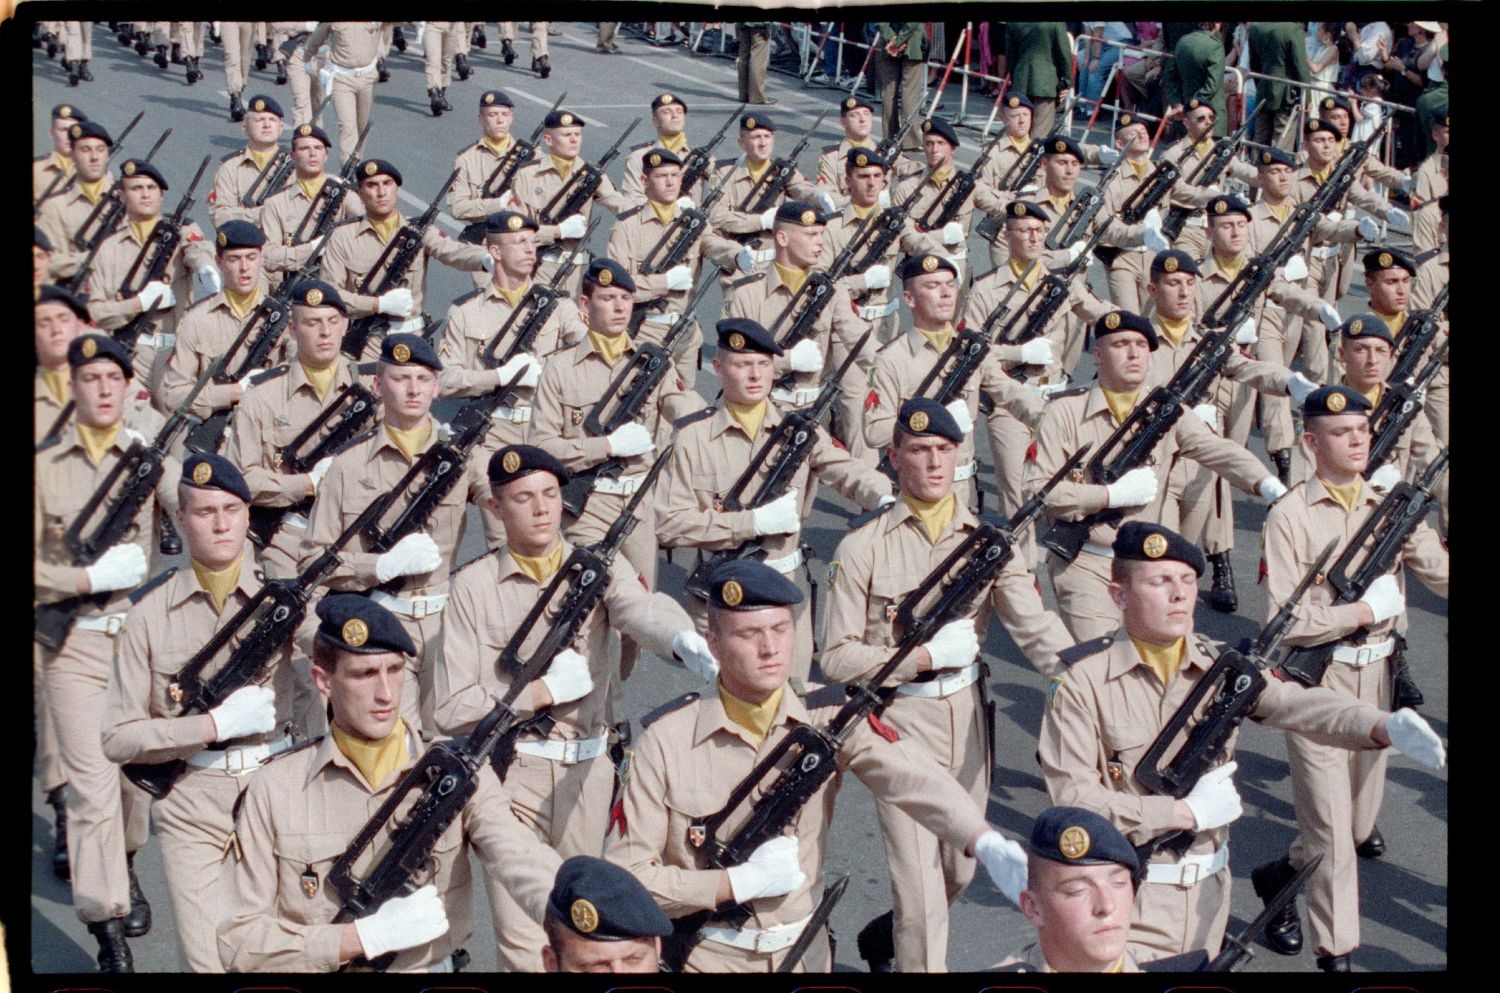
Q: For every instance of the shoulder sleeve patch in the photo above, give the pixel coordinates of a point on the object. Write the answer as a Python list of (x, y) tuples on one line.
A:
[(140, 593), (1082, 650), (666, 708), (694, 417)]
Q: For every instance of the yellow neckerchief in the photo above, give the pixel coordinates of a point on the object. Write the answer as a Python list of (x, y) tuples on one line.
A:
[(755, 718), (1017, 267), (1203, 146), (664, 212), (260, 158), (1174, 330), (512, 298), (312, 187), (1120, 404), (1321, 176), (96, 441), (1229, 268), (64, 162), (564, 167), (1164, 660), (1374, 395), (321, 379), (56, 381), (93, 190), (609, 346), (934, 514), (1119, 965), (757, 171), (1141, 168), (142, 229), (1395, 322), (1280, 210), (940, 338), (1020, 144), (1338, 146), (1059, 205), (1345, 495), (411, 443), (863, 212), (499, 145), (862, 143), (240, 304), (540, 568), (218, 584), (749, 416), (792, 279), (386, 229), (941, 176), (675, 144), (375, 760)]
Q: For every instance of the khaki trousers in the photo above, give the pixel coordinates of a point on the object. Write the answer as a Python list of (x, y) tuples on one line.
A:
[(900, 83), (78, 41), (353, 100), (439, 42), (48, 764), (193, 823), (1171, 920), (239, 53)]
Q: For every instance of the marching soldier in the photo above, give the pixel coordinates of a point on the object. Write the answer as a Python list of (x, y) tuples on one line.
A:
[(1388, 280), (47, 168), (477, 162), (669, 116), (238, 171), (540, 63), (601, 919), (1200, 119), (307, 88), (302, 811), (1125, 250), (441, 40), (939, 142), (238, 39), (288, 215), (78, 49), (857, 117), (1432, 277), (1430, 183), (354, 48), (1336, 110), (1329, 266), (63, 214)]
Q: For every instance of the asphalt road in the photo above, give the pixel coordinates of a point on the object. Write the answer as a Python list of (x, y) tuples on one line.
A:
[(1404, 898)]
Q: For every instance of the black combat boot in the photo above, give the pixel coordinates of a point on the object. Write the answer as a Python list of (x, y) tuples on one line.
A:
[(262, 57), (114, 950), (461, 67), (124, 35), (877, 942), (1284, 932), (176, 53), (215, 37), (398, 38), (435, 102), (507, 52), (477, 39), (193, 72), (142, 44), (59, 803), (160, 58), (281, 72), (1372, 847), (1222, 597), (382, 74), (443, 96), (171, 541), (1404, 691), (137, 923), (236, 109), (1333, 963), (1283, 460), (71, 68), (51, 42), (541, 66), (83, 71)]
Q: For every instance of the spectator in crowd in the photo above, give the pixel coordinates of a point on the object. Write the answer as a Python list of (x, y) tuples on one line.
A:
[(1103, 53), (1040, 67), (1196, 73)]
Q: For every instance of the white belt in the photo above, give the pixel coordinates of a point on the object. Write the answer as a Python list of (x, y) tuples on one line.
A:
[(786, 563), (1094, 548), (412, 325), (159, 340), (566, 752), (619, 485), (797, 398), (238, 760), (665, 319), (945, 685), (110, 624), (763, 942), (1191, 871), (963, 472), (411, 606), (557, 253), (339, 70), (1197, 221), (876, 311), (516, 415), (1047, 389), (295, 520), (1360, 656), (1326, 251)]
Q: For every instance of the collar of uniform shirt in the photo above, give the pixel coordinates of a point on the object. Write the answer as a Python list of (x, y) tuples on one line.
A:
[(609, 346), (1119, 965), (1320, 176), (563, 167), (319, 379), (1174, 330), (858, 143), (410, 443), (218, 583), (377, 759), (63, 162), (940, 338), (676, 144), (791, 278), (1059, 202), (935, 515), (1374, 395), (665, 212), (1017, 267), (1280, 210), (499, 145), (749, 416), (941, 176), (1229, 268), (260, 158), (1020, 144), (1141, 168), (96, 441), (240, 304), (1164, 660), (312, 187), (1120, 404), (93, 191), (56, 381), (756, 719), (142, 229), (860, 213), (513, 297), (540, 568), (386, 229), (1344, 496)]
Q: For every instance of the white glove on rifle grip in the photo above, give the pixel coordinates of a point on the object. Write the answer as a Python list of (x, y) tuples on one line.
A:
[(1005, 861), (319, 470), (1037, 351), (156, 295), (1384, 598), (1245, 333), (679, 278), (403, 922), (960, 413), (572, 227), (768, 219), (526, 365), (686, 203), (780, 516), (1108, 156), (630, 439), (1367, 228), (411, 556), (1136, 488), (877, 277), (119, 568), (884, 199), (1208, 414), (1329, 315), (805, 356), (1414, 737), (1214, 800), (1382, 479), (954, 646), (206, 282), (692, 649), (1295, 270), (396, 303), (825, 203), (248, 710), (773, 869), (568, 677), (953, 233)]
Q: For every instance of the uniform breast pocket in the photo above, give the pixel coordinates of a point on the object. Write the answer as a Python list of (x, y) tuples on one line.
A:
[(164, 669), (1124, 744), (573, 415), (303, 862), (690, 806), (888, 590)]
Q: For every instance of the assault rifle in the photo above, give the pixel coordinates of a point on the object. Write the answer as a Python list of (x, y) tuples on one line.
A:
[(1153, 188), (582, 184), (1023, 170), (1046, 300), (878, 232), (1400, 404), (1081, 212), (890, 145), (1417, 335), (680, 236), (1209, 172), (956, 191), (777, 177), (80, 277), (151, 263), (532, 313), (109, 211), (324, 210), (500, 178), (800, 316), (700, 159), (273, 178), (63, 180)]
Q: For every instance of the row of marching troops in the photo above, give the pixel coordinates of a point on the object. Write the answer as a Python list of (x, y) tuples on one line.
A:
[(259, 395)]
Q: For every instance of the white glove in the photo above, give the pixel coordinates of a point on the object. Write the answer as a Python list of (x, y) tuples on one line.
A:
[(1384, 598), (403, 922), (1335, 216), (685, 203), (248, 710), (156, 295), (630, 439), (1155, 240), (245, 383), (572, 227), (1270, 490), (1213, 190), (877, 277), (1398, 218), (325, 80), (1245, 333), (1213, 799), (1329, 315), (119, 568), (780, 516), (885, 501), (487, 263), (768, 219), (690, 647), (206, 282), (953, 233), (396, 303), (824, 200), (319, 470), (505, 198), (313, 246), (884, 200), (1367, 228), (1299, 387), (1037, 351), (1382, 479), (1136, 488), (526, 366), (568, 678), (1152, 220), (805, 356), (749, 258), (954, 646), (411, 556), (773, 869), (1108, 156), (1414, 737), (1208, 414), (679, 277), (1295, 270), (960, 412), (1076, 249), (1005, 861)]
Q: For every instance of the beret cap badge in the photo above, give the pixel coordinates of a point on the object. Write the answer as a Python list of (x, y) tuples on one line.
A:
[(750, 124), (129, 169), (919, 421), (566, 119), (223, 239), (202, 473), (1112, 321), (401, 352), (1221, 206), (666, 98), (736, 341), (861, 159), (489, 98), (75, 130), (515, 222), (930, 264), (732, 593), (809, 217), (1385, 260), (511, 462), (371, 168), (584, 916), (304, 130), (1018, 210), (605, 277), (1074, 842), (89, 348), (1355, 327), (354, 632), (1014, 101), (314, 297), (1336, 402), (258, 105), (1170, 265), (1155, 546), (1059, 145), (655, 158)]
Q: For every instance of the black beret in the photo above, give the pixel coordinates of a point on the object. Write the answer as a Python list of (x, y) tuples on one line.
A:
[(1195, 103), (605, 902), (514, 461), (68, 112), (799, 212), (1331, 401), (262, 104), (90, 129), (741, 334), (88, 348), (311, 131), (608, 272), (409, 349), (48, 293), (757, 122), (858, 158), (207, 471), (750, 584), (854, 103), (1378, 259), (493, 98), (316, 293), (1367, 326), (1144, 541), (1025, 208), (668, 100), (943, 129), (921, 265), (562, 119), (1332, 101), (1074, 836), (1227, 204), (40, 240), (1173, 260), (1275, 156), (354, 623), (1015, 98), (509, 220), (659, 157), (239, 234), (1440, 117), (1061, 144), (1126, 120), (378, 167), (131, 168), (1316, 126), (1117, 321), (924, 417)]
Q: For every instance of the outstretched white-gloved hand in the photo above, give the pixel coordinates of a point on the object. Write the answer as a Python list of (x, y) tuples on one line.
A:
[(630, 438), (1136, 488), (825, 202), (1208, 414), (119, 568), (1245, 334), (1398, 219), (319, 470), (1295, 270), (572, 227), (1384, 598), (1155, 240), (248, 710), (679, 278), (403, 922), (156, 295), (780, 516), (1414, 737), (1329, 315), (207, 280), (773, 869), (768, 219), (411, 556), (954, 646), (960, 413), (1382, 479), (568, 678), (396, 303), (953, 233), (1367, 228), (1213, 799), (877, 277), (1299, 388), (884, 199), (1037, 351), (1108, 156), (1005, 861), (525, 365), (805, 356), (1270, 490), (692, 649)]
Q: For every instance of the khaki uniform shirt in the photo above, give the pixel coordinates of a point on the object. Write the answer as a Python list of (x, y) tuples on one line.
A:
[(1082, 306), (1032, 959), (354, 249), (235, 176), (300, 814), (990, 197), (1357, 195), (1428, 185), (539, 181), (1432, 276), (475, 319), (1267, 377), (475, 163), (845, 227), (744, 226), (833, 169), (205, 332), (44, 170), (763, 297), (927, 199), (638, 231), (351, 44), (280, 217), (47, 411), (61, 216), (1264, 224)]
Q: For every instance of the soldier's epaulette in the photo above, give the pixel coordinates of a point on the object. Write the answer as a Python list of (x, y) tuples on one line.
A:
[(1082, 650), (233, 155), (888, 344), (139, 593), (199, 303), (275, 372), (350, 220), (730, 162), (1427, 256), (631, 212), (830, 695), (694, 417), (667, 708), (47, 443), (479, 558), (1193, 961), (829, 149), (469, 296), (754, 277), (855, 523), (367, 368), (643, 146), (300, 746)]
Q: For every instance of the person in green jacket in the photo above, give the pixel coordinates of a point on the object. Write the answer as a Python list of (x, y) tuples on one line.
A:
[(896, 71), (1197, 70), (1277, 48), (754, 38), (1041, 66), (1430, 102)]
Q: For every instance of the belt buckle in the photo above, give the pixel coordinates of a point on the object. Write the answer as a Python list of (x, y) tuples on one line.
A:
[(233, 757), (570, 752), (418, 607), (1184, 881), (762, 938), (113, 624), (1364, 656)]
